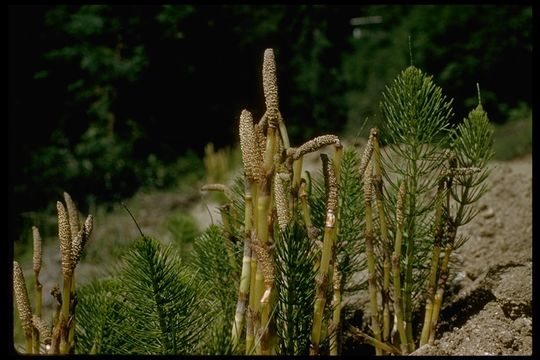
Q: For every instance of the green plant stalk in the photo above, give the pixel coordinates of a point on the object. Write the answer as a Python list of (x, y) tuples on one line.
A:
[(243, 288), (297, 174), (412, 188), (321, 284), (378, 186), (336, 315), (335, 275), (250, 326), (396, 256), (283, 132), (323, 277), (265, 325), (65, 315), (263, 209), (72, 324), (372, 284), (253, 303), (374, 342), (305, 209), (437, 301), (38, 304), (29, 344), (434, 265)]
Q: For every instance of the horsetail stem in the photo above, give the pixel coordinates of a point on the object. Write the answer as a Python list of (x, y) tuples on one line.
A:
[(438, 226), (437, 301), (336, 314), (243, 290), (396, 256), (73, 214), (370, 254), (366, 155), (385, 241), (322, 277)]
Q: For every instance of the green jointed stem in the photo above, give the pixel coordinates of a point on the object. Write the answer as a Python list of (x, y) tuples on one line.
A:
[(245, 277), (322, 278), (412, 188), (283, 132), (378, 186), (372, 276), (336, 315), (434, 263), (336, 276), (297, 174), (437, 301), (396, 256)]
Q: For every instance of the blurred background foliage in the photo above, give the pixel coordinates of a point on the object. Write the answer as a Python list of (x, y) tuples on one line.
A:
[(107, 99)]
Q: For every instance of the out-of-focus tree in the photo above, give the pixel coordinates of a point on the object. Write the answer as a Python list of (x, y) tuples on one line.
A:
[(460, 44)]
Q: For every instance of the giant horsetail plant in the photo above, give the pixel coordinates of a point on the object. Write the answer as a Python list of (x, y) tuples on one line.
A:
[(425, 182), (73, 236)]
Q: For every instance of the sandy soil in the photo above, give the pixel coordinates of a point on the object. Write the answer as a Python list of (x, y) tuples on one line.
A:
[(489, 311)]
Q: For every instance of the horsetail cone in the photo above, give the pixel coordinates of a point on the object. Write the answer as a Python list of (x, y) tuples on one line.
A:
[(331, 181), (64, 233), (43, 329), (73, 214), (313, 145), (80, 240), (37, 250), (270, 87), (249, 147), (368, 151), (282, 187), (21, 297), (260, 139)]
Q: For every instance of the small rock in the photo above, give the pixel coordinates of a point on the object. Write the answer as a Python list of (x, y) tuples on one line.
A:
[(524, 325), (489, 213), (487, 232)]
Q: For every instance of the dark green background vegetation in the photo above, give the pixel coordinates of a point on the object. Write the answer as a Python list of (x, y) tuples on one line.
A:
[(104, 100)]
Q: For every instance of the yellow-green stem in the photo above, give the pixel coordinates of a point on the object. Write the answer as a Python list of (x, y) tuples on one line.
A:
[(434, 265), (437, 301), (336, 315), (378, 186), (321, 283), (245, 277), (38, 302), (372, 285), (410, 251), (396, 268)]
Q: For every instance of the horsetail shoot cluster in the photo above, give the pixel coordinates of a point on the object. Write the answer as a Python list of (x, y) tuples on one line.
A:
[(290, 245)]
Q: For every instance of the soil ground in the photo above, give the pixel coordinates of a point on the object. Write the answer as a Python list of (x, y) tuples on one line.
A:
[(489, 310)]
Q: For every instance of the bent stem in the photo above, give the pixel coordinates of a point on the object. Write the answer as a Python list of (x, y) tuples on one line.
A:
[(322, 278)]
